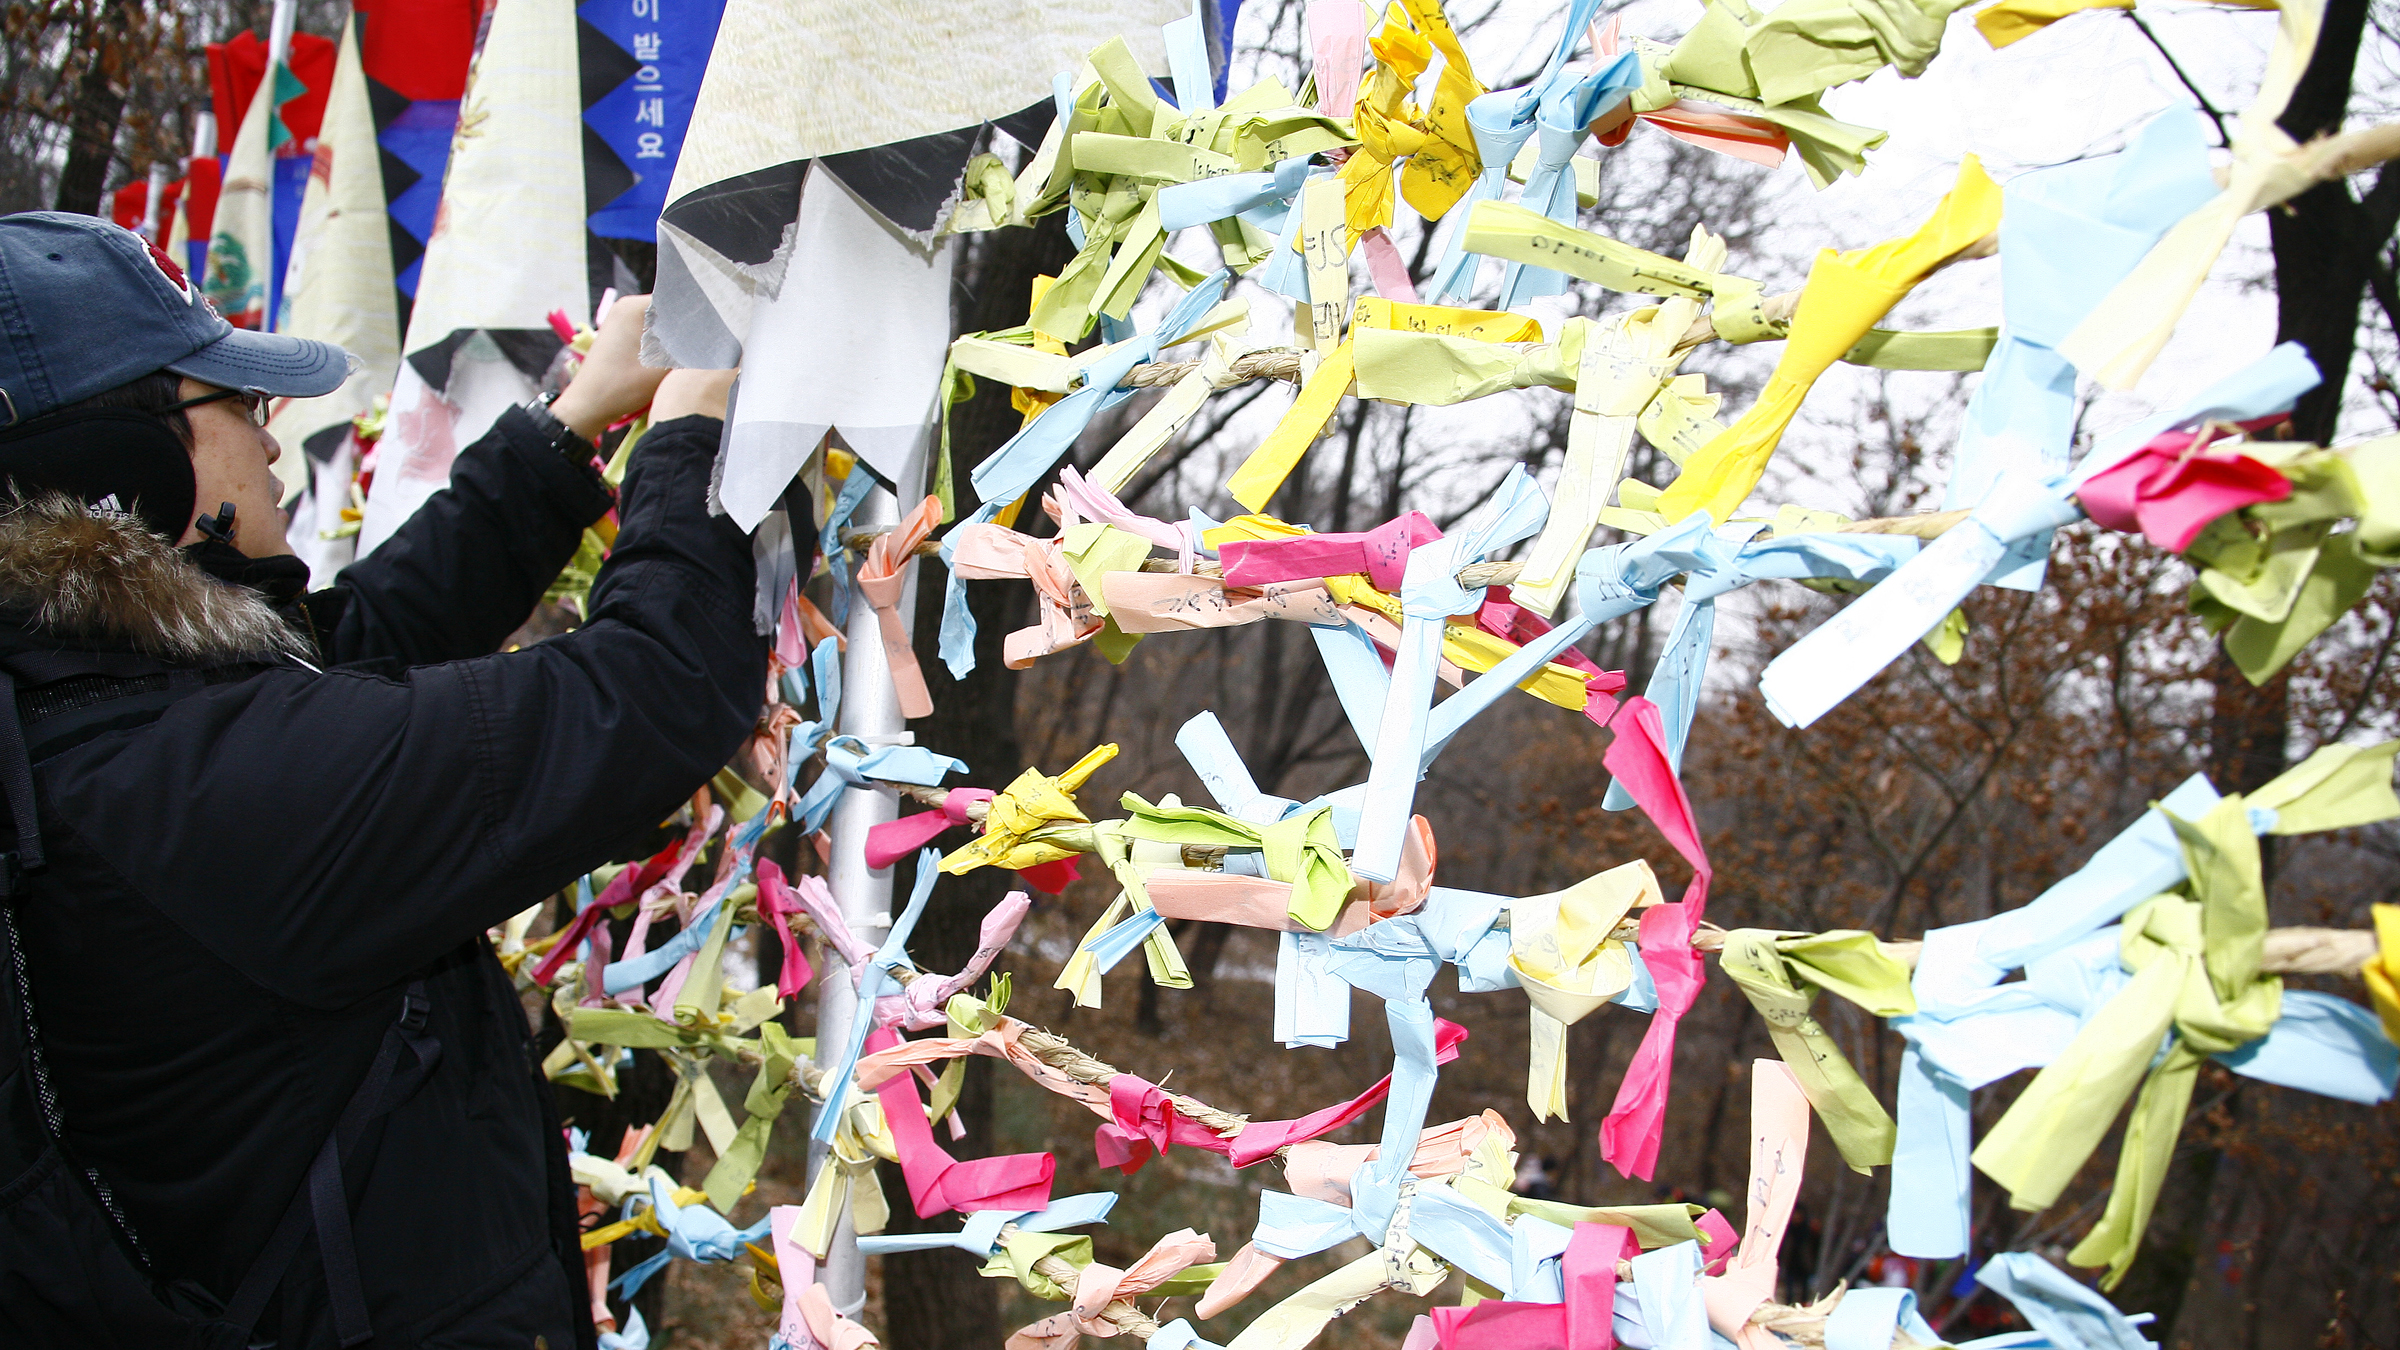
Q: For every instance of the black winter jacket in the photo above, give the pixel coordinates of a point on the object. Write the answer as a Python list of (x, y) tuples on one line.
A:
[(242, 882)]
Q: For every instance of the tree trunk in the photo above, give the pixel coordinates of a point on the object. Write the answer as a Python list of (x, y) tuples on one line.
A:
[(935, 1300), (2324, 248), (2327, 245), (98, 107)]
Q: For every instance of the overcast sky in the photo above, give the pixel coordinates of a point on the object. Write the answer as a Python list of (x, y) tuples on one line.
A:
[(2076, 89)]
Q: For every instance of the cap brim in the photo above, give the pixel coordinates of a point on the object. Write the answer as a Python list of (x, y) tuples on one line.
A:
[(274, 364)]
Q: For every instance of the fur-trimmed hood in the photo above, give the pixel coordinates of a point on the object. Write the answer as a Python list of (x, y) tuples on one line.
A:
[(76, 573)]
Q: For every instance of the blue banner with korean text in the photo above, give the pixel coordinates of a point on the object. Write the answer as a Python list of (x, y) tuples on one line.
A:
[(642, 61)]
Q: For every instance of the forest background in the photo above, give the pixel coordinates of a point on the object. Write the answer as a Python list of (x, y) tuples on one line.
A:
[(1939, 795)]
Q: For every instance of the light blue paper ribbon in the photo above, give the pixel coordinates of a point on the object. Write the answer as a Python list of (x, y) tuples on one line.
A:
[(1012, 470), (1462, 1233), (849, 763), (1501, 122), (694, 1232), (634, 1336), (875, 982), (2322, 1044), (1179, 1335), (1359, 679), (2071, 1314), (1535, 1246), (1866, 1318), (1187, 61), (980, 1235), (1210, 752), (861, 481), (1816, 673), (1375, 1191), (2068, 235), (1286, 268), (1429, 595), (1561, 120), (1292, 1226), (1661, 1307), (1975, 1029), (1458, 925), (1312, 1004), (1970, 1030), (1731, 559), (1262, 199)]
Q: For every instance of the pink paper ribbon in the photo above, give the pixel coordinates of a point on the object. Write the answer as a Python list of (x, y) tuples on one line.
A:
[(987, 552), (623, 887), (1160, 602), (1381, 553), (1585, 1321), (775, 902), (1144, 1122), (1629, 1137), (920, 1005), (1098, 1284), (881, 578), (1778, 1157), (1093, 502), (893, 840), (2173, 487), (1512, 622), (1053, 877), (791, 649), (1386, 268), (937, 1181), (1337, 33), (1718, 1242), (1258, 1140)]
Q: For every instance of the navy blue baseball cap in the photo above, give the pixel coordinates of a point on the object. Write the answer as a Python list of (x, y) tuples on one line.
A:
[(86, 305)]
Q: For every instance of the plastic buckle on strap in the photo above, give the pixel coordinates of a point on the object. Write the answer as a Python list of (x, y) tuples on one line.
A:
[(414, 1007)]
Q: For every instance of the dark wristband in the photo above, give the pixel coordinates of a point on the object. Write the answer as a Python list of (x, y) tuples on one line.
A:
[(577, 450)]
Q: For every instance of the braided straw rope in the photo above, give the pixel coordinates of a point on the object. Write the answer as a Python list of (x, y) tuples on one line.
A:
[(1127, 1318)]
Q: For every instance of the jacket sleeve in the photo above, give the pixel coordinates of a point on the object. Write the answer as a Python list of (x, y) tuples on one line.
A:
[(470, 565), (328, 833)]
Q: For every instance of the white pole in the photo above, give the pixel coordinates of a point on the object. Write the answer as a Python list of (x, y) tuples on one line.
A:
[(279, 39), (279, 50), (871, 712), (204, 135), (150, 203)]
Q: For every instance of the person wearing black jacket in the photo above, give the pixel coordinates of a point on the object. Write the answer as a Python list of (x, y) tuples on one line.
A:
[(274, 826)]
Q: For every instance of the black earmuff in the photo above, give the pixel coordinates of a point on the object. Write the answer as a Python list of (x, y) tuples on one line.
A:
[(110, 459)]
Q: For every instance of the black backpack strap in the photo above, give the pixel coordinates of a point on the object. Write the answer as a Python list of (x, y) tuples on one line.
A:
[(16, 780), (323, 1201)]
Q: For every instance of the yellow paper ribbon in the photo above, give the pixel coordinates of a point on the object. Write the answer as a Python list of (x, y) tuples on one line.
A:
[(1019, 814), (1273, 461), (1559, 945), (1781, 974), (2382, 971), (2196, 971), (1845, 295)]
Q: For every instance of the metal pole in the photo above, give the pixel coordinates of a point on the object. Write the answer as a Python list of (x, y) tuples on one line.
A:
[(871, 712), (155, 193), (279, 39)]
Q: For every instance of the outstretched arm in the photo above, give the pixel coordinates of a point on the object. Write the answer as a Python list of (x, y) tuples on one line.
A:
[(471, 564), (359, 826)]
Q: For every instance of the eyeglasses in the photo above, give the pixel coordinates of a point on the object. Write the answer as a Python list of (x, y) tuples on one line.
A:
[(254, 406)]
